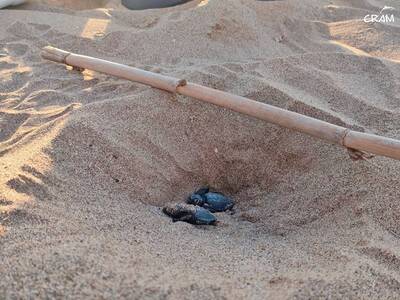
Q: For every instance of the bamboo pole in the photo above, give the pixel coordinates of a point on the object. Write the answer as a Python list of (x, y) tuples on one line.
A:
[(355, 142)]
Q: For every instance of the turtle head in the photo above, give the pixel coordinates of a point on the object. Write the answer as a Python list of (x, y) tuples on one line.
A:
[(196, 199)]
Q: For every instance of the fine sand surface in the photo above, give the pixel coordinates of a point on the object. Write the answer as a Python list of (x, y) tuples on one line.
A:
[(87, 160)]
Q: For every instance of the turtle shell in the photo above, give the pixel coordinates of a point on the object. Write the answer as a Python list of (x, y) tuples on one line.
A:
[(216, 202)]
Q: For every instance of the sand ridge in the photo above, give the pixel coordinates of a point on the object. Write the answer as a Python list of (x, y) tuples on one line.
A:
[(87, 159)]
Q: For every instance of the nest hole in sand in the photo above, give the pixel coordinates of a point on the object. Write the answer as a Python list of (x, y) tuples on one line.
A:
[(134, 151)]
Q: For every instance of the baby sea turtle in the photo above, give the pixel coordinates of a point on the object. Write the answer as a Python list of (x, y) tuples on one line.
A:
[(189, 213), (214, 202)]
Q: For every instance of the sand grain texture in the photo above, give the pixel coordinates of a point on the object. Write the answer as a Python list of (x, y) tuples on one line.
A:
[(87, 159)]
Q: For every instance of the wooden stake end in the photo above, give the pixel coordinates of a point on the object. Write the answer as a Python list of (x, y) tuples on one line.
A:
[(54, 54)]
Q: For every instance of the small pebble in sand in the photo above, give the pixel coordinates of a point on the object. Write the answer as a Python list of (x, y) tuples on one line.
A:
[(189, 213), (212, 201)]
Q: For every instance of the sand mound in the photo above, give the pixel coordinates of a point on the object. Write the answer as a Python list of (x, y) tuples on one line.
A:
[(87, 160)]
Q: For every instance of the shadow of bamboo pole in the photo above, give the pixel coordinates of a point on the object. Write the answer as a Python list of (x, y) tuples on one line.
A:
[(358, 144)]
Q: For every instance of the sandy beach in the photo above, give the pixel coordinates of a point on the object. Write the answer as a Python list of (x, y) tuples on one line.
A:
[(88, 160)]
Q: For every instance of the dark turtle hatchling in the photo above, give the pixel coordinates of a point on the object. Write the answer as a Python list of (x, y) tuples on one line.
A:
[(214, 202), (189, 213)]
